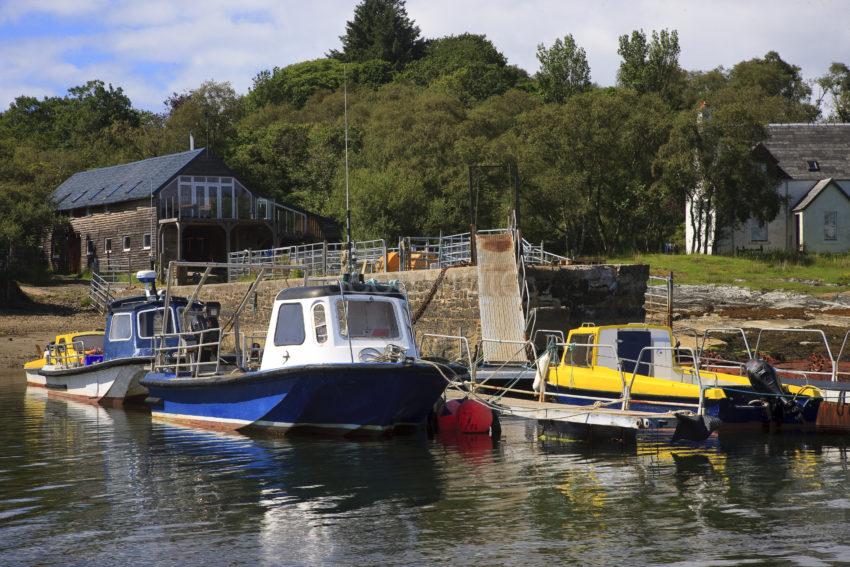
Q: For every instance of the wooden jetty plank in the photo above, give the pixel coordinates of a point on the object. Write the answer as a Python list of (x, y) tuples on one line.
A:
[(499, 301)]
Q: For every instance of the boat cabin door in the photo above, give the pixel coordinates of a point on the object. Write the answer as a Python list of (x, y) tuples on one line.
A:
[(629, 346)]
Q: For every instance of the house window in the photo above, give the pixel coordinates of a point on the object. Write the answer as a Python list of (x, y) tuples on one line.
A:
[(813, 165), (107, 245), (146, 242), (758, 230), (290, 325), (320, 322), (126, 243), (830, 225)]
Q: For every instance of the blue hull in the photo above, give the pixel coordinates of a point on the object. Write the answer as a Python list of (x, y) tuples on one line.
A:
[(734, 410), (363, 397)]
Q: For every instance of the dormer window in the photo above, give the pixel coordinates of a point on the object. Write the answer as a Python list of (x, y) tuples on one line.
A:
[(813, 165)]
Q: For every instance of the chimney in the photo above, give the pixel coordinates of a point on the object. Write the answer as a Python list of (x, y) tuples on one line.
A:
[(191, 142)]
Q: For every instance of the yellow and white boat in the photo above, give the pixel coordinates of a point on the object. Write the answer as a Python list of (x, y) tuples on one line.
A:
[(644, 363), (69, 348)]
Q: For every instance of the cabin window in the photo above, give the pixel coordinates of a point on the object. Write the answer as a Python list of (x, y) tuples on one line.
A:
[(146, 242), (121, 327), (320, 323), (126, 243), (107, 245), (290, 325), (367, 319), (579, 354), (90, 342), (830, 225), (149, 323)]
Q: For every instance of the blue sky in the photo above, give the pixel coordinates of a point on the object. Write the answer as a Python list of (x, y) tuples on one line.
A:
[(153, 48)]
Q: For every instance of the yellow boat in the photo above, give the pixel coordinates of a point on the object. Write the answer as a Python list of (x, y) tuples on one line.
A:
[(69, 348), (659, 377)]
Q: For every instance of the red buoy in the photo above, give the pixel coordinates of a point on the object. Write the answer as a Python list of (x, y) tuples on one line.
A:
[(474, 417), (465, 416)]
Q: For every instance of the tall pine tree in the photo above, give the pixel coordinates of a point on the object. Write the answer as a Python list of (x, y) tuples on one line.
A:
[(381, 29)]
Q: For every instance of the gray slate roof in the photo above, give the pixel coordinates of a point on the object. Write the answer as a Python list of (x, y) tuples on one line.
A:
[(794, 144), (119, 183), (817, 190)]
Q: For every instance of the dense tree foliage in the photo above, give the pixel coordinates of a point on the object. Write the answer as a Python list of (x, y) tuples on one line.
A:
[(381, 29), (603, 170), (563, 70)]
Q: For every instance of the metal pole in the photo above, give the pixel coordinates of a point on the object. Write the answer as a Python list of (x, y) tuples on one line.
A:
[(670, 300), (473, 220)]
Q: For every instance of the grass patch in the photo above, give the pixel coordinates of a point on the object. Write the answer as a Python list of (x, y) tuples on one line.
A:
[(806, 273)]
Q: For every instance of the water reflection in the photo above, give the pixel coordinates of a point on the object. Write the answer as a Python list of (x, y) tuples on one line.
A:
[(87, 485)]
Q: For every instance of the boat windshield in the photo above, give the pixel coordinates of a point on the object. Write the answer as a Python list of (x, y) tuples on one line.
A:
[(90, 342), (367, 319)]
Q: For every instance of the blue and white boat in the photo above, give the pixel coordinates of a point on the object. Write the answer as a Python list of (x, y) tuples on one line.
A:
[(128, 350), (338, 357)]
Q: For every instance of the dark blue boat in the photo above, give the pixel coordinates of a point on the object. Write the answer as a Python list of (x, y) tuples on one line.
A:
[(336, 357)]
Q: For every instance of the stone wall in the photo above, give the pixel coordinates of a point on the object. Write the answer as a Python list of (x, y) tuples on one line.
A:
[(568, 296), (565, 297)]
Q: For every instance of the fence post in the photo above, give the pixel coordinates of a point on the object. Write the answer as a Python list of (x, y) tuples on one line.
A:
[(670, 300), (324, 257), (384, 252)]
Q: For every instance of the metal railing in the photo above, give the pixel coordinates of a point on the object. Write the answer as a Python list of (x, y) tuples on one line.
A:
[(413, 253), (189, 353), (658, 299), (61, 354), (100, 292)]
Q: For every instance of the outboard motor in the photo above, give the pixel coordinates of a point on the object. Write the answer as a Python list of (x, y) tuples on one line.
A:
[(764, 380), (692, 427)]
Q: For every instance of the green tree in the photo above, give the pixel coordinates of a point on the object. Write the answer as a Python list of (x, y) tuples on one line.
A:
[(381, 29), (296, 83), (468, 66), (776, 77), (710, 160), (209, 113), (836, 84), (563, 70), (652, 66)]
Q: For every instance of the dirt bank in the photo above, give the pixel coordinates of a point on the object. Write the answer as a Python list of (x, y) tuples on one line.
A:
[(47, 311)]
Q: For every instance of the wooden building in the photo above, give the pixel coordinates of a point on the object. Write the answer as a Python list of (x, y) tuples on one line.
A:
[(186, 206)]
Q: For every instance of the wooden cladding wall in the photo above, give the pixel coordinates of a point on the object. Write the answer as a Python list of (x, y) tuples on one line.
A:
[(131, 219)]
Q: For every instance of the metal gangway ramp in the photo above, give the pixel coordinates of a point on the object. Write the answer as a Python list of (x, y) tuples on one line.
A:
[(499, 299)]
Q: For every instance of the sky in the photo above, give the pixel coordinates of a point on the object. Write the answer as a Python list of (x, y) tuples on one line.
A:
[(153, 48)]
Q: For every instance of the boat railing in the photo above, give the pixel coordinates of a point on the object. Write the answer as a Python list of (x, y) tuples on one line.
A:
[(833, 374), (253, 345), (524, 349), (189, 353), (463, 345), (651, 361), (571, 348), (63, 356)]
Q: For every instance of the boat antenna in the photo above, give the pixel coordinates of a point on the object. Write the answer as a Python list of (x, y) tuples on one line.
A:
[(349, 246)]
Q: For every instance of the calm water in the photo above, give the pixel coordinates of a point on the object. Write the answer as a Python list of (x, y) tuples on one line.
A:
[(91, 486)]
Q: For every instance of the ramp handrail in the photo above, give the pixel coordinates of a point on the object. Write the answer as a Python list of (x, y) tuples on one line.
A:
[(462, 342)]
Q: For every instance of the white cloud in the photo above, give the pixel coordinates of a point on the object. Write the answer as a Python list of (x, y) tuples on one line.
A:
[(156, 47)]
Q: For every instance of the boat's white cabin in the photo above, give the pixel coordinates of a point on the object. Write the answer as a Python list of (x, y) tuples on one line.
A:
[(321, 325)]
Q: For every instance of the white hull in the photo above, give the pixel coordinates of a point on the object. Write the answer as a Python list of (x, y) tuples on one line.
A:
[(35, 379), (106, 384)]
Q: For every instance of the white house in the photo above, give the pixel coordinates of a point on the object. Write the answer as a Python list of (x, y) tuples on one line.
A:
[(814, 161)]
